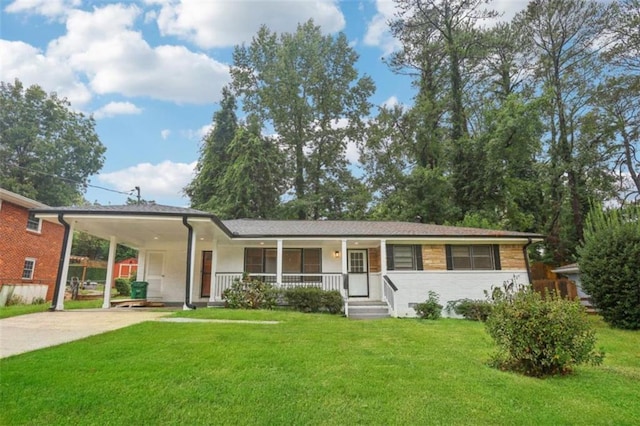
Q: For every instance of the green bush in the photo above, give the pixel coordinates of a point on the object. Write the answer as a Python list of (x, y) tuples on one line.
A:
[(123, 285), (249, 293), (38, 301), (609, 261), (430, 309), (474, 310), (15, 300), (332, 301), (314, 299), (541, 336)]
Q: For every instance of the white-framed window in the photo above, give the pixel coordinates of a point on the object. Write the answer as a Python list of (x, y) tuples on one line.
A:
[(403, 257), (29, 268), (33, 223)]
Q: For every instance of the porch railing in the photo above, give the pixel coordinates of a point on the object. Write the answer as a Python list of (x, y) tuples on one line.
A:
[(324, 281), (390, 293)]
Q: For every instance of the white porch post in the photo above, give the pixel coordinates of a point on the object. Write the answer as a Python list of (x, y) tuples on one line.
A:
[(214, 267), (65, 271), (383, 265), (344, 257), (111, 260), (142, 260), (279, 263), (192, 261)]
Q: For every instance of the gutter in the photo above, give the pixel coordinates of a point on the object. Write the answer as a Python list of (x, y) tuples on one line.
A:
[(63, 251), (526, 259), (187, 291)]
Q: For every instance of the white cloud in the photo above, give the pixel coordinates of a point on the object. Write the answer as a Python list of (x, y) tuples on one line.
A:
[(116, 108), (227, 23), (378, 28), (198, 134), (116, 59), (48, 8), (165, 133), (26, 63), (391, 102), (156, 181)]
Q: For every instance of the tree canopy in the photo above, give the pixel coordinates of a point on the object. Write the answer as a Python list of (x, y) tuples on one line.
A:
[(47, 150)]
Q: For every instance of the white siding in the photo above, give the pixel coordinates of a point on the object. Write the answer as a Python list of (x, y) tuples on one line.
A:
[(413, 287)]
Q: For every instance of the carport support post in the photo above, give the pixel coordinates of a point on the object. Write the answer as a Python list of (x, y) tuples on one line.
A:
[(344, 258), (279, 263), (213, 288), (111, 260), (62, 285)]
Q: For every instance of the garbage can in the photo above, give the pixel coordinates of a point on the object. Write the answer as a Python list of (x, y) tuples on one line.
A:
[(139, 289)]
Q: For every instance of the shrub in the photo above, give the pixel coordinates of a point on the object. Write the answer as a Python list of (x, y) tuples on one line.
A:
[(314, 299), (609, 261), (249, 293), (474, 310), (123, 285), (541, 336), (15, 300), (38, 301), (332, 301), (430, 309)]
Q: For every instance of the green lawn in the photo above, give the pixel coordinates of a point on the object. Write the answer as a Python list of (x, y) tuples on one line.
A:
[(309, 369), (15, 310)]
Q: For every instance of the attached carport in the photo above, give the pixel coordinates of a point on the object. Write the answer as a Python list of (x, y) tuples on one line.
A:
[(148, 228)]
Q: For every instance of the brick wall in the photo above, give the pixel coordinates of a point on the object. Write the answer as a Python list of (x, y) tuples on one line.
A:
[(434, 258), (17, 243), (512, 257)]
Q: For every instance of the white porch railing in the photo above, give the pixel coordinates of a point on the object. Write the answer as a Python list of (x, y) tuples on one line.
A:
[(324, 281), (390, 289)]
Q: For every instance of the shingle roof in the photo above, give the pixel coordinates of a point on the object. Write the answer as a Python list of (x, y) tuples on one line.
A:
[(146, 209), (336, 228)]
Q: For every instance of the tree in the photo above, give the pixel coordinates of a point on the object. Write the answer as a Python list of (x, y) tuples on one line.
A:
[(563, 35), (252, 181), (305, 86), (610, 264), (204, 189), (47, 150)]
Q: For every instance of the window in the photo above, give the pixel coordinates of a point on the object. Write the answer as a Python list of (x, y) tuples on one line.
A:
[(29, 267), (404, 257), (33, 223), (264, 261), (475, 257)]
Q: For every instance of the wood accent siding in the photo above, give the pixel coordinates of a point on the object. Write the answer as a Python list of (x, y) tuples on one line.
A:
[(434, 258), (374, 260), (512, 257)]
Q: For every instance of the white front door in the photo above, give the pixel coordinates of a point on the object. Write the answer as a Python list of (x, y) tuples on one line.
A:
[(358, 273), (154, 274)]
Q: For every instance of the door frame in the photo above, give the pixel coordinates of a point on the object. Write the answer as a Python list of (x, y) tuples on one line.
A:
[(366, 272)]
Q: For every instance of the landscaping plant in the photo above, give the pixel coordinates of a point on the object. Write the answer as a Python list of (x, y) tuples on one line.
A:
[(123, 285), (314, 299), (610, 264), (541, 336), (250, 293), (474, 310), (430, 309)]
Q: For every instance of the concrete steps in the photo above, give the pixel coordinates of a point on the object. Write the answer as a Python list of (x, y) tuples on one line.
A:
[(368, 309)]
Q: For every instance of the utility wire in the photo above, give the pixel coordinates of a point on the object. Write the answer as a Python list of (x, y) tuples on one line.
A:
[(71, 180)]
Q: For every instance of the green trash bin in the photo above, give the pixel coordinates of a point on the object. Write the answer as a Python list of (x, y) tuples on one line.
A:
[(139, 289)]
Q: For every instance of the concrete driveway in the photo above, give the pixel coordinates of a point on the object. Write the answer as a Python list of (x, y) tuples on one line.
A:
[(26, 333)]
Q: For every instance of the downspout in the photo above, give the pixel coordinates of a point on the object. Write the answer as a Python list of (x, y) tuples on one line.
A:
[(526, 259), (63, 251), (187, 291)]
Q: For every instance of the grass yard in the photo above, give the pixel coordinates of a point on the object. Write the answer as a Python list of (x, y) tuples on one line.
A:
[(15, 310), (309, 369)]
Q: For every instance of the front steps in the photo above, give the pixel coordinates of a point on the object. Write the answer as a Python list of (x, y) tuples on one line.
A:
[(368, 309)]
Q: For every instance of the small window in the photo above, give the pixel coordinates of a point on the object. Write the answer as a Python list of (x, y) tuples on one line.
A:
[(473, 257), (404, 257), (33, 223), (29, 267)]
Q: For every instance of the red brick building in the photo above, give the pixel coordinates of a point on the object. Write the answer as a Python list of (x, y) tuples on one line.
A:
[(29, 247)]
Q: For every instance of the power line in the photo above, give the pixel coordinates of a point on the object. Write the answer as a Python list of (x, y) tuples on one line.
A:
[(72, 181)]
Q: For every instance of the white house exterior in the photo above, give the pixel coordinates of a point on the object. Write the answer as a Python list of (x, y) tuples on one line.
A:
[(190, 257)]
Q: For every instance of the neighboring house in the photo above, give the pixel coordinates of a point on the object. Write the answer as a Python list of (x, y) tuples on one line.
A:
[(572, 272), (29, 248), (188, 256)]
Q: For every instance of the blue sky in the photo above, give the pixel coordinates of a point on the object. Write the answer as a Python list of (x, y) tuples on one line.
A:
[(151, 71)]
